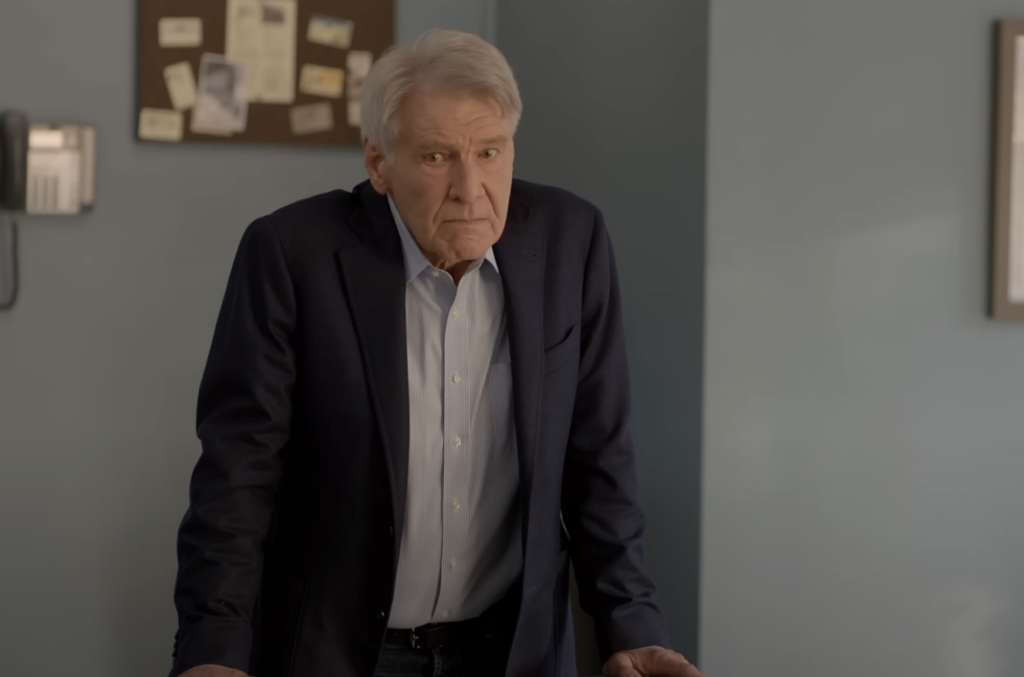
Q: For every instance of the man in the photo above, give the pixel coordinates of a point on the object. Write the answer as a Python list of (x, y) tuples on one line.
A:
[(415, 413)]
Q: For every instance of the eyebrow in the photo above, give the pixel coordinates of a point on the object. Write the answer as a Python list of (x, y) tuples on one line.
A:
[(428, 143), (495, 140)]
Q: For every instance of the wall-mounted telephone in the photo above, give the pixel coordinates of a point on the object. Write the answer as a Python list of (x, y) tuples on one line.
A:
[(44, 169)]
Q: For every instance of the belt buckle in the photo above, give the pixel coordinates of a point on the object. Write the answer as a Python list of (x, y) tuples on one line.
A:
[(413, 639)]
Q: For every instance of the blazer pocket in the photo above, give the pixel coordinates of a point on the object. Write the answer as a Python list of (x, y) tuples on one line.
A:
[(558, 354)]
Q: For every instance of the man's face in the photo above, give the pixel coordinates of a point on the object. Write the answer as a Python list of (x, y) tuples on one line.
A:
[(450, 174)]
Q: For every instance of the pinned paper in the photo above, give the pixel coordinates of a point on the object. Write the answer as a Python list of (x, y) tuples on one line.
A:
[(354, 116), (262, 35), (181, 85), (312, 118), (358, 64), (322, 81), (181, 32), (156, 124), (330, 31), (244, 37)]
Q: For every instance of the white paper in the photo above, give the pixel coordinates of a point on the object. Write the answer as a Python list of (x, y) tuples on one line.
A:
[(277, 70), (262, 35), (181, 32), (322, 81), (330, 31), (312, 118), (354, 115), (181, 85), (156, 124), (221, 102), (358, 64), (243, 40)]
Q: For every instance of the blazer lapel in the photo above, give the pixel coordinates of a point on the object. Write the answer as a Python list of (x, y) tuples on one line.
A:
[(373, 275), (520, 255)]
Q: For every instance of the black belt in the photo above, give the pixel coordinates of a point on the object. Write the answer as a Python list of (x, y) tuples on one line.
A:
[(499, 618)]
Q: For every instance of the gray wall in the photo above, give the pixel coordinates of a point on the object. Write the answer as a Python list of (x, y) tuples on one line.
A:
[(614, 95), (863, 503), (101, 358)]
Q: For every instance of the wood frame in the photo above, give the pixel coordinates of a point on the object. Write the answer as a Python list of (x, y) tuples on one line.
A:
[(1009, 159)]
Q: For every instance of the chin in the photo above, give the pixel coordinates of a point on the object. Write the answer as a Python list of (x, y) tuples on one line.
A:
[(470, 248), (470, 253)]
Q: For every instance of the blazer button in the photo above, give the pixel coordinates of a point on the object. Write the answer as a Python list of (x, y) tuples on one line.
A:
[(391, 531), (380, 614)]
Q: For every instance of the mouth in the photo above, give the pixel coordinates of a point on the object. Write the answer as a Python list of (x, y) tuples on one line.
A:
[(463, 222)]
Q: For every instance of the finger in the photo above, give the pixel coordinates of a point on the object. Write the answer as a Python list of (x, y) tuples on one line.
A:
[(617, 667), (619, 670), (677, 666)]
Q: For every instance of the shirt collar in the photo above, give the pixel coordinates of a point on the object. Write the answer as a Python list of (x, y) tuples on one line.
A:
[(415, 261)]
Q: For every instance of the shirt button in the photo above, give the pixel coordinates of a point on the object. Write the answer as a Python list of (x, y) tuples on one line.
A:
[(436, 274), (445, 614), (457, 442), (455, 314), (456, 505), (451, 565), (457, 378)]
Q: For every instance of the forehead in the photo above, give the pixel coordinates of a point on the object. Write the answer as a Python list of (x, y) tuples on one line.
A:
[(432, 113)]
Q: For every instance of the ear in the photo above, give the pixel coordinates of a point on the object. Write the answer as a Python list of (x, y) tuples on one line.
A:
[(376, 166)]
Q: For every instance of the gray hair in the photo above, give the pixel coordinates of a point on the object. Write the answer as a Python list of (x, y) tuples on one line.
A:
[(438, 59)]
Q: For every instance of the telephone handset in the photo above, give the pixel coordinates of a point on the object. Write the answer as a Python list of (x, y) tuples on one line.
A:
[(13, 160)]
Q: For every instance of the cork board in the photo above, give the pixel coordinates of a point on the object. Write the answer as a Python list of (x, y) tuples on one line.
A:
[(162, 111)]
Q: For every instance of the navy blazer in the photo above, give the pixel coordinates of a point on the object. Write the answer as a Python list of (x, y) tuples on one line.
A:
[(288, 552)]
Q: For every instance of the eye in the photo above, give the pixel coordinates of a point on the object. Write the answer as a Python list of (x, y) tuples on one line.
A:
[(433, 158), (490, 153)]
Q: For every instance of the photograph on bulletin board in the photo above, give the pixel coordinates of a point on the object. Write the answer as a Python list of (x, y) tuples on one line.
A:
[(258, 71)]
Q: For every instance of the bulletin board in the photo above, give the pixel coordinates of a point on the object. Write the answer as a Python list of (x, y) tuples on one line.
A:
[(303, 73)]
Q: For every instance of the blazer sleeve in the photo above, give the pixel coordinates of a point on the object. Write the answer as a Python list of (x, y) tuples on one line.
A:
[(244, 418), (599, 494)]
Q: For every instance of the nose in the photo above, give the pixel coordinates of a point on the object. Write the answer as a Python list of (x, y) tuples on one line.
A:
[(466, 183)]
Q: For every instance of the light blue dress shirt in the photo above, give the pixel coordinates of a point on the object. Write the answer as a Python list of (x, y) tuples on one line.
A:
[(461, 548)]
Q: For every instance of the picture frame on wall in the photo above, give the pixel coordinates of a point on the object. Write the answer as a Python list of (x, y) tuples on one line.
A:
[(1007, 269)]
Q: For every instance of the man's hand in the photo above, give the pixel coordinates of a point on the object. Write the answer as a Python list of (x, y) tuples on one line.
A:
[(212, 671), (651, 661)]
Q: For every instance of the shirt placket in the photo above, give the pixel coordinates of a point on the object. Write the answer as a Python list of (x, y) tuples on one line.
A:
[(456, 466)]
